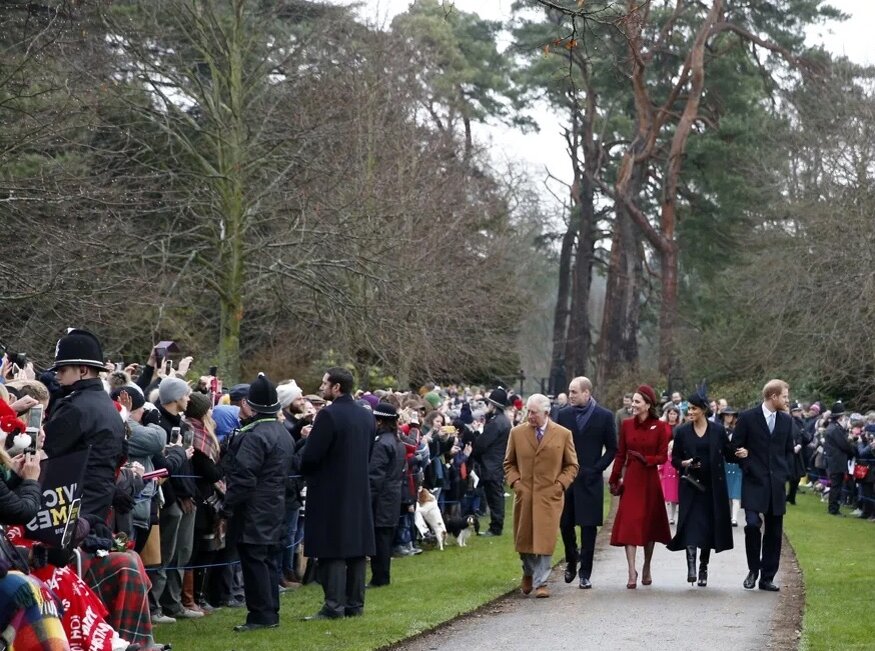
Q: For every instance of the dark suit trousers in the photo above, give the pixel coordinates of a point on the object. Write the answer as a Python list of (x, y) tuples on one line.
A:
[(762, 542), (260, 583), (343, 584), (569, 538), (381, 561), (836, 482), (494, 491)]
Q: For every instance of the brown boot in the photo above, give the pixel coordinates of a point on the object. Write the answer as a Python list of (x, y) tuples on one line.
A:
[(526, 584), (188, 591)]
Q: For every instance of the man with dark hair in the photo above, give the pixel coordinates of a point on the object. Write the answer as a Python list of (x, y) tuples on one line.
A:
[(340, 526)]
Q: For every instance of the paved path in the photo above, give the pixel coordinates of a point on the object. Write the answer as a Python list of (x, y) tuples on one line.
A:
[(665, 615)]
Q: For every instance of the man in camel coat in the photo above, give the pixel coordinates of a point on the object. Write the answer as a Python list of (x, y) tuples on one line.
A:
[(540, 464)]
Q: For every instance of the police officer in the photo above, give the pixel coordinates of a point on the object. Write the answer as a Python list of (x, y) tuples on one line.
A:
[(86, 417), (257, 467)]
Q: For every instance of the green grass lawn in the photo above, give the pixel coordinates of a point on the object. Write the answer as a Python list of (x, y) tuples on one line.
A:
[(426, 590), (837, 557)]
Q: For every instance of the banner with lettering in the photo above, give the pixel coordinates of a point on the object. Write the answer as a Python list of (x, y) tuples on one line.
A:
[(61, 481)]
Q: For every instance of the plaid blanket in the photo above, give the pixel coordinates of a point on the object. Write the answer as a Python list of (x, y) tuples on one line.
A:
[(84, 617), (120, 580), (29, 616)]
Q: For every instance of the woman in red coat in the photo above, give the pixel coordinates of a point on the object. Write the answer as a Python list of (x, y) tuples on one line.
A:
[(641, 520)]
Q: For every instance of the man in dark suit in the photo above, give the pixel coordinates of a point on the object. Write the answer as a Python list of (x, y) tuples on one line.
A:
[(764, 441), (595, 439), (340, 527), (838, 449), (488, 453)]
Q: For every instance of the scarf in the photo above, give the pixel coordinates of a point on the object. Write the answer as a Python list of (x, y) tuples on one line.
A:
[(202, 441)]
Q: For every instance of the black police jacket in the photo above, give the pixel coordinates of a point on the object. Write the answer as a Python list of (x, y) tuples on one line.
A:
[(86, 418)]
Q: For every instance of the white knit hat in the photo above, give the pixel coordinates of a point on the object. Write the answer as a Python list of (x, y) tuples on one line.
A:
[(288, 392)]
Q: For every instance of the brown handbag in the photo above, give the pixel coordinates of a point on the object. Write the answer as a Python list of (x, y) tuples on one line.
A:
[(151, 552)]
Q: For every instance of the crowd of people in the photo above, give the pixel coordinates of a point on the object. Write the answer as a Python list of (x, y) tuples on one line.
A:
[(195, 497), (185, 480)]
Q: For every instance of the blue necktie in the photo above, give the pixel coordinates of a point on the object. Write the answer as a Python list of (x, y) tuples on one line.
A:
[(539, 433), (771, 423)]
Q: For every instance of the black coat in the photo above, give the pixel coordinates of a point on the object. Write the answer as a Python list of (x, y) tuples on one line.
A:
[(334, 463), (181, 485), (20, 500), (87, 418), (838, 448), (719, 450), (769, 464), (257, 465), (386, 472), (801, 438), (596, 446), (489, 448)]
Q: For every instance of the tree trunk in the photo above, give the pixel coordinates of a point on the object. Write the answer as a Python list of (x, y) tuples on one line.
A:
[(579, 340), (558, 377)]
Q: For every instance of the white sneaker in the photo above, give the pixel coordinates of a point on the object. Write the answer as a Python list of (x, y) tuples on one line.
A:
[(161, 618), (188, 613), (857, 513)]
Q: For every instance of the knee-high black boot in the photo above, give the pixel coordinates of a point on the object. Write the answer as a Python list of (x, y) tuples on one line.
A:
[(704, 557), (691, 564)]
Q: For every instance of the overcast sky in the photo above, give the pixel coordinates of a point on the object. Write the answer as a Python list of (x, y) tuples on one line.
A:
[(545, 150)]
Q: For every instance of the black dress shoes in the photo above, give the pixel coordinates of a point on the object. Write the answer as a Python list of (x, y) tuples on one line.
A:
[(768, 586), (353, 612), (244, 628), (570, 572), (751, 580), (585, 583)]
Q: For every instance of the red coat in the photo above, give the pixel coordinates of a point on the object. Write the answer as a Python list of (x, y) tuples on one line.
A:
[(641, 517)]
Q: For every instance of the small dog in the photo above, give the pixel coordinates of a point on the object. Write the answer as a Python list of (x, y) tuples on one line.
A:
[(427, 517), (462, 528)]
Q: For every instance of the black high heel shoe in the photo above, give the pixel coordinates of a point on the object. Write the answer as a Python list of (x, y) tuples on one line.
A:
[(691, 564)]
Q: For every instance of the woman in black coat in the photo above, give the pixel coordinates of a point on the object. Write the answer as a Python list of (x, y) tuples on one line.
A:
[(700, 447), (385, 476)]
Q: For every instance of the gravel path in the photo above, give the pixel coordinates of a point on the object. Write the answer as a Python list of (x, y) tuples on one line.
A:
[(666, 614)]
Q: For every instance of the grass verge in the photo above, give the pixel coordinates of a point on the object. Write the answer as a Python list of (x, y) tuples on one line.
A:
[(835, 556), (426, 590)]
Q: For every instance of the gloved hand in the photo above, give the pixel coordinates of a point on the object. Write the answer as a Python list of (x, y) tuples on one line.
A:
[(122, 501)]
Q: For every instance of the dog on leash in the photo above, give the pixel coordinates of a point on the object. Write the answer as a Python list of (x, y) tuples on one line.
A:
[(428, 519), (462, 528)]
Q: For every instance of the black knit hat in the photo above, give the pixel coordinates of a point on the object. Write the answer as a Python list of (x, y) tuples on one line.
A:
[(78, 348), (262, 396), (385, 410), (498, 397)]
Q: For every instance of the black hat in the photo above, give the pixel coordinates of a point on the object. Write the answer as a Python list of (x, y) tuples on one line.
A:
[(838, 408), (728, 411), (699, 399), (498, 397), (385, 410), (238, 392), (795, 406), (78, 348), (262, 396), (134, 392)]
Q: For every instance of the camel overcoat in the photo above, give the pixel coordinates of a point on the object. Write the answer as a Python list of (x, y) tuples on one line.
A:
[(544, 472)]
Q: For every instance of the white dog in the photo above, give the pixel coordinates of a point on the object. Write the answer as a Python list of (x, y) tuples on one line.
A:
[(428, 516)]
